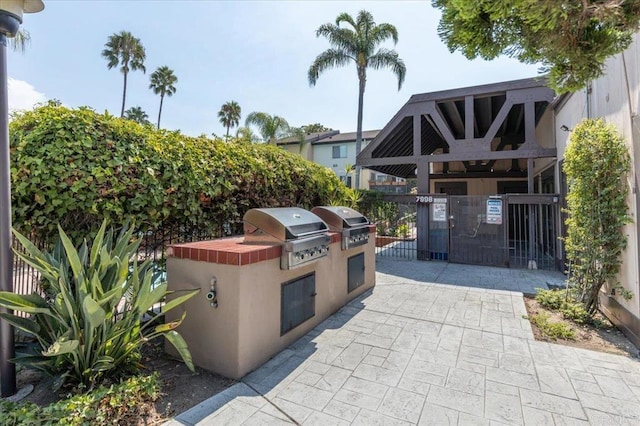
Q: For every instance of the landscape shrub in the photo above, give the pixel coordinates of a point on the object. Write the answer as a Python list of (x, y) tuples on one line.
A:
[(563, 302), (122, 403), (76, 167), (552, 329), (596, 163), (90, 323)]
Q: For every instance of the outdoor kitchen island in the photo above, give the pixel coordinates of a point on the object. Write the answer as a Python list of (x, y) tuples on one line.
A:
[(258, 297)]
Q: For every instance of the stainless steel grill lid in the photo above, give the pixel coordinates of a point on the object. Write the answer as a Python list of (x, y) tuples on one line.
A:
[(339, 218), (302, 235), (282, 223), (353, 226)]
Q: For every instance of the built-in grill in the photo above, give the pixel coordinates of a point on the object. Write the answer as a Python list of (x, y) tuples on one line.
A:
[(353, 226), (302, 235)]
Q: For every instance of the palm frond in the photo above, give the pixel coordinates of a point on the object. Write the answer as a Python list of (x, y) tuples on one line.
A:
[(340, 38), (230, 114), (383, 32), (269, 126), (162, 81), (330, 58), (364, 24), (126, 50), (385, 58), (345, 17)]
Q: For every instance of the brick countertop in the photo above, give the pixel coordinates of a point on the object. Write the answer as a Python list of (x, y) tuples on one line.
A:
[(233, 251)]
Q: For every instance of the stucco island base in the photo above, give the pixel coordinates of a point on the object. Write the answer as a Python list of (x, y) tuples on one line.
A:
[(243, 331)]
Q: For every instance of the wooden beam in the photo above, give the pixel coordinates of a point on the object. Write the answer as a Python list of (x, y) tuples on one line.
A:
[(449, 109), (530, 125), (479, 175), (497, 122), (468, 117), (460, 156), (538, 94), (406, 111), (536, 83), (417, 135), (491, 155), (423, 177), (484, 114), (441, 125), (386, 161), (530, 188)]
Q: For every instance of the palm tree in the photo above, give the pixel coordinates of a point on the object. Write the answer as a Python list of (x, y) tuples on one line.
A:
[(138, 115), (245, 134), (20, 41), (162, 83), (127, 51), (229, 115), (270, 127), (301, 137), (358, 43)]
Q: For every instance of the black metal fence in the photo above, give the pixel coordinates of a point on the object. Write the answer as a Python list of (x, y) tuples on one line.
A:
[(153, 246), (396, 229), (517, 231)]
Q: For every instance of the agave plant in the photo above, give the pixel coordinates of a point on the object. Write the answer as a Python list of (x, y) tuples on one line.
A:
[(90, 325)]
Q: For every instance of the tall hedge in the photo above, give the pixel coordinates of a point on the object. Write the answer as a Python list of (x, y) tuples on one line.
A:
[(75, 167), (596, 163)]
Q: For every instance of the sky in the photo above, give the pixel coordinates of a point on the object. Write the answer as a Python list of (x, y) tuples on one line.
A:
[(254, 52)]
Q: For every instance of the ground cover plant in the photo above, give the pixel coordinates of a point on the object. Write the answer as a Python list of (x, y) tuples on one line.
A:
[(125, 402), (556, 317)]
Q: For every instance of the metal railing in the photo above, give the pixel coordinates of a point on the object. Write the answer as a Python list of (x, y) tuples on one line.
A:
[(396, 229), (153, 246), (526, 236)]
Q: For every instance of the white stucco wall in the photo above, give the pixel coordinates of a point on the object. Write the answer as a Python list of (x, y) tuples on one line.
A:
[(544, 137), (614, 97), (323, 154)]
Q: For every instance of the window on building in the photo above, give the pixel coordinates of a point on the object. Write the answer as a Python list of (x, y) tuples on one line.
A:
[(340, 151)]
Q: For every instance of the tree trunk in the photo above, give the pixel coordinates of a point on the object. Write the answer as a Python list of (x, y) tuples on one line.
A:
[(362, 77), (160, 111), (591, 299), (124, 95), (228, 132)]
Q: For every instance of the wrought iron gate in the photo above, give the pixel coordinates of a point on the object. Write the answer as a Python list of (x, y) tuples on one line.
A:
[(517, 231), (477, 230)]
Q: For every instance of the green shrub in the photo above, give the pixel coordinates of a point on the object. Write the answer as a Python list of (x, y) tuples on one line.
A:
[(90, 326), (402, 231), (560, 301), (576, 313), (552, 299), (121, 403), (597, 165), (551, 329), (77, 167)]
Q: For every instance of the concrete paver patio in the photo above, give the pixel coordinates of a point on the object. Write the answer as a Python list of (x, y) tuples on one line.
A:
[(418, 351)]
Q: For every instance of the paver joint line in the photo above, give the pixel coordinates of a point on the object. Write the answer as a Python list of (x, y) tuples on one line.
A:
[(272, 403), (429, 353)]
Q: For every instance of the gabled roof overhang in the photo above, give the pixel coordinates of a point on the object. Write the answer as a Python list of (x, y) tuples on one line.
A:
[(462, 125)]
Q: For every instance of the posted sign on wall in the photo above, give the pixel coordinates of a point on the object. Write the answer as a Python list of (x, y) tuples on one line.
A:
[(439, 212), (494, 211)]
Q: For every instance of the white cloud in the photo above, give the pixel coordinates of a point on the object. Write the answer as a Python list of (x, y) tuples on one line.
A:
[(22, 95)]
